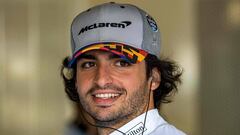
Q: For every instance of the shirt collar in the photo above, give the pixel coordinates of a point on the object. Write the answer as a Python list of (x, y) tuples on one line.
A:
[(135, 126)]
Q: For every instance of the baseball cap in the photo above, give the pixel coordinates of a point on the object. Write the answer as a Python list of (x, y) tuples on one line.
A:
[(122, 29)]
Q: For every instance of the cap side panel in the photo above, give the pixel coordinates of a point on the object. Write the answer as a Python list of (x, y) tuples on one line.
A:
[(151, 34)]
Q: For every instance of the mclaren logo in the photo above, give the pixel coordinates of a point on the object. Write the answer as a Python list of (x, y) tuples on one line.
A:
[(122, 25)]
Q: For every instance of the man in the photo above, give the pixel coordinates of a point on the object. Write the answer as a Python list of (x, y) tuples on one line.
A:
[(116, 73)]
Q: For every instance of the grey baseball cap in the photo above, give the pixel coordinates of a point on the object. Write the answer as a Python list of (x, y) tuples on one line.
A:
[(123, 29)]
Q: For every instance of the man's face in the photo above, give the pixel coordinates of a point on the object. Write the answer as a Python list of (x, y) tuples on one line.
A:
[(110, 89)]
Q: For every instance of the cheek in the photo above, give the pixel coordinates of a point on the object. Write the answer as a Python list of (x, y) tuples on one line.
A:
[(82, 82), (135, 81), (131, 79)]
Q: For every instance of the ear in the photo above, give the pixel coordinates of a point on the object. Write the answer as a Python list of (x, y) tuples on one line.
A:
[(155, 79)]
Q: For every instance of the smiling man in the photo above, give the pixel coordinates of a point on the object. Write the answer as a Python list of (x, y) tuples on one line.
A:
[(116, 73)]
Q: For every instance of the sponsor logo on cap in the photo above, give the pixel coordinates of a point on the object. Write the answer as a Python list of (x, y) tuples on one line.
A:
[(136, 130), (122, 25), (152, 23)]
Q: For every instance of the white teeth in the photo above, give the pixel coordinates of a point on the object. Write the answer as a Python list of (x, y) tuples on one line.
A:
[(107, 95)]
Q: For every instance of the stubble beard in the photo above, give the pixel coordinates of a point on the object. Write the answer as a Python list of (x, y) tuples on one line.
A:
[(134, 106)]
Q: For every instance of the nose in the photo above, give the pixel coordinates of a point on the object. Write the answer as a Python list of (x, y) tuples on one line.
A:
[(103, 75)]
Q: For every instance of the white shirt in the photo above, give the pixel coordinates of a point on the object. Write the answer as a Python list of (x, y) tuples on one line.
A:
[(154, 125)]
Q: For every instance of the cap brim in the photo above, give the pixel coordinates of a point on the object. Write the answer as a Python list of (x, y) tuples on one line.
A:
[(133, 55)]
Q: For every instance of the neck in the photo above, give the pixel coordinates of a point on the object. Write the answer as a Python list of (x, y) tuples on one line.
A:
[(106, 131), (110, 126)]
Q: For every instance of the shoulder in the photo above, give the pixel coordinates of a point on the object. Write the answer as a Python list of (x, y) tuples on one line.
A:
[(167, 129)]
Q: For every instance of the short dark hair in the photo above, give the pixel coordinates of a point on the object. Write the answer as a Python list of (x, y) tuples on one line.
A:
[(170, 77)]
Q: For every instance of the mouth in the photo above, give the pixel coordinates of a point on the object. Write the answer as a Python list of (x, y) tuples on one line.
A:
[(105, 99), (107, 95)]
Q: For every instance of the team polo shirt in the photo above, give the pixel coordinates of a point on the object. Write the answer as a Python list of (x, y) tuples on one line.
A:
[(154, 125)]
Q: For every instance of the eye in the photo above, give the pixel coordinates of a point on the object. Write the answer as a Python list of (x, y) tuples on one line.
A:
[(122, 63), (87, 65)]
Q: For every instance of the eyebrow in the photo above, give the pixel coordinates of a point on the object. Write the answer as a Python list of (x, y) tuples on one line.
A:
[(86, 56)]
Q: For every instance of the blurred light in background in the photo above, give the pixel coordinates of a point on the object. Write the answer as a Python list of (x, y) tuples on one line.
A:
[(18, 67), (233, 13), (188, 57)]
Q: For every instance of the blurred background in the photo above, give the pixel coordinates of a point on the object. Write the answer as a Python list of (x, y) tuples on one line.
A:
[(203, 36)]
